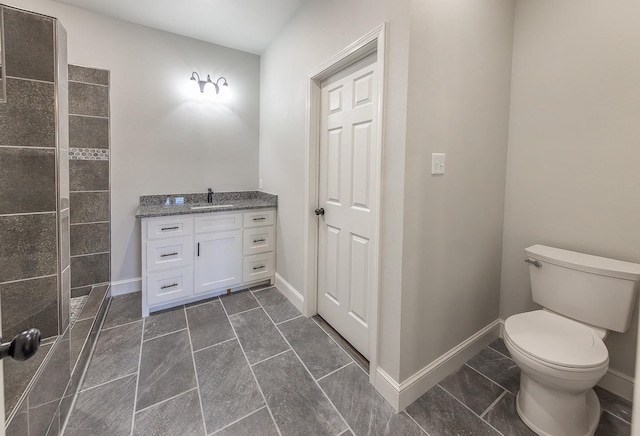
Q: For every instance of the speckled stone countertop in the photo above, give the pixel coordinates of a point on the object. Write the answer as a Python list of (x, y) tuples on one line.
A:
[(181, 204)]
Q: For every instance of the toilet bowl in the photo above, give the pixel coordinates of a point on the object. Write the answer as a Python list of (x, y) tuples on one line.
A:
[(561, 361)]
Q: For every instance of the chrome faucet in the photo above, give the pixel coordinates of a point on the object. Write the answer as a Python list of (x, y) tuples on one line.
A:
[(210, 196)]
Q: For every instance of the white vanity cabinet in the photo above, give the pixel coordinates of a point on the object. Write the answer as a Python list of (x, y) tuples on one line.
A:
[(186, 258)]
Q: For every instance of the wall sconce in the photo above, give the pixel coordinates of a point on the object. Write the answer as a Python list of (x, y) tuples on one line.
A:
[(201, 83)]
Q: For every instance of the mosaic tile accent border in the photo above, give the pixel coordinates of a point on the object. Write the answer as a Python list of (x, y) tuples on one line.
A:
[(88, 154)]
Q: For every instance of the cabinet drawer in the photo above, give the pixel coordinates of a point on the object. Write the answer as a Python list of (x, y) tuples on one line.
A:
[(259, 218), (257, 267), (169, 253), (169, 227), (258, 240), (169, 285), (219, 221)]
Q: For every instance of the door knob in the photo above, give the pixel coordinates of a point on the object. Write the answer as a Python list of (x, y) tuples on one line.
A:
[(319, 211), (22, 347)]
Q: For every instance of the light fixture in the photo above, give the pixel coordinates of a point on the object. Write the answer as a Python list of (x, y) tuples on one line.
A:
[(201, 83)]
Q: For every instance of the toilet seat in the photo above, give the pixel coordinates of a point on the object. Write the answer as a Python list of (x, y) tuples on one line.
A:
[(556, 341)]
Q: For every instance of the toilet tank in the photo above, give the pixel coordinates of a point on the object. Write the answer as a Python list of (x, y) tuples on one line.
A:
[(591, 289)]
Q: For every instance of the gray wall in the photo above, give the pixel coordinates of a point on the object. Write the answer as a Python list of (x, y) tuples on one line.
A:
[(89, 178), (572, 171)]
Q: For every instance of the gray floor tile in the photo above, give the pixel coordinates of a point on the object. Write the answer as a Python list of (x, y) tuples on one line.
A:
[(442, 415), (318, 352), (227, 386), (17, 376), (344, 344), (179, 415), (611, 426), (124, 309), (500, 347), (165, 321), (366, 412), (504, 417), (239, 302), (259, 423), (258, 336), (166, 369), (299, 407), (208, 325), (472, 389), (498, 368), (276, 305), (614, 404), (116, 354), (105, 410)]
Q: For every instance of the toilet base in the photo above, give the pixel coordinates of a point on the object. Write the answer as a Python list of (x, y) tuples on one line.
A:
[(549, 412)]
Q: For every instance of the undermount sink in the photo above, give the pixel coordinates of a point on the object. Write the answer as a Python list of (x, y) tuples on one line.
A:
[(211, 206)]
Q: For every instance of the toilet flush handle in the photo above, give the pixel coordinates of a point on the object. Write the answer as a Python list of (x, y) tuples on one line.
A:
[(533, 262)]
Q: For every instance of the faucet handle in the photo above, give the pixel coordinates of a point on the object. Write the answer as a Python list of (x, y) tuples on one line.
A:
[(209, 190)]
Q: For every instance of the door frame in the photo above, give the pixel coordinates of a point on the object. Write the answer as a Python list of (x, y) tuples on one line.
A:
[(372, 42)]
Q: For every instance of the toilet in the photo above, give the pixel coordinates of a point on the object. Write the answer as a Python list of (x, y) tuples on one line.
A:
[(560, 349)]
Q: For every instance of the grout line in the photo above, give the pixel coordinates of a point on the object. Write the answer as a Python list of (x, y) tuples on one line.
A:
[(195, 371), (122, 325), (88, 116), (469, 409), (84, 224), (334, 371), (106, 383), (51, 212), (88, 83), (271, 357), (488, 378), (296, 317), (255, 291), (244, 311), (164, 401), (413, 419), (214, 345), (499, 352), (28, 147), (92, 191), (135, 396), (238, 420), (163, 335), (88, 254), (30, 278), (616, 416), (201, 302), (253, 373), (30, 80), (342, 347), (492, 405)]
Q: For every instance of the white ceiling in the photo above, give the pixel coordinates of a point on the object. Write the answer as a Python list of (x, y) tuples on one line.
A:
[(247, 25)]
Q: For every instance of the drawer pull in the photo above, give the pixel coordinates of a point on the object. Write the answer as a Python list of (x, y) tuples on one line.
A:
[(169, 286), (258, 267), (258, 240), (168, 255), (260, 219), (170, 228)]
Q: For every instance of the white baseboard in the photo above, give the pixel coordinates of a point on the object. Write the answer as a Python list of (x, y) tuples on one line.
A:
[(126, 286), (290, 292), (400, 395)]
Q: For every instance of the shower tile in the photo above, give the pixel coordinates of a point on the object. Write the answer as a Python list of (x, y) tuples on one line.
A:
[(89, 175), (27, 180), (89, 207), (166, 369), (63, 116), (81, 291), (89, 269), (65, 249), (52, 381), (65, 303), (61, 55), (28, 45), (85, 99), (41, 312), (89, 238), (208, 325), (96, 297), (124, 309), (472, 389), (63, 178), (88, 132), (227, 386), (88, 75), (258, 336), (79, 334), (180, 415), (27, 118), (316, 350)]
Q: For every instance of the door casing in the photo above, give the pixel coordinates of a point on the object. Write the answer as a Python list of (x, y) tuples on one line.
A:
[(372, 42)]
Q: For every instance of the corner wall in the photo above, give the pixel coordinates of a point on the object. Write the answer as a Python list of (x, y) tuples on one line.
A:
[(572, 171)]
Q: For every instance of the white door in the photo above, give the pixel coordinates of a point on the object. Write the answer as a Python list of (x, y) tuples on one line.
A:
[(348, 149), (218, 261)]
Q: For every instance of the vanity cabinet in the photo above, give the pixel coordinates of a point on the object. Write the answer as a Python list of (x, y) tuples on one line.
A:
[(187, 258)]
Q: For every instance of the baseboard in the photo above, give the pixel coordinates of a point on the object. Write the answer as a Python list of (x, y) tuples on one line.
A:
[(290, 292), (618, 383), (126, 286), (400, 395)]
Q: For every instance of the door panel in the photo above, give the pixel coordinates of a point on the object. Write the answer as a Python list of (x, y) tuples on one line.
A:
[(348, 148), (218, 262)]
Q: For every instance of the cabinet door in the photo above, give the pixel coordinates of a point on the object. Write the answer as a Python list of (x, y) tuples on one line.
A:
[(218, 261)]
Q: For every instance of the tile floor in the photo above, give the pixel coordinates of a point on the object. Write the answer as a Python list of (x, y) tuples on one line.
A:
[(249, 364)]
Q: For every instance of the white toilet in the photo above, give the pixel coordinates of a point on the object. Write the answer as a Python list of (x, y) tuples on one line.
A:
[(560, 349)]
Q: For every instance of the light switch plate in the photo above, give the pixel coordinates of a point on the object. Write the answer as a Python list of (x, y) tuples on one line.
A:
[(260, 185), (437, 163)]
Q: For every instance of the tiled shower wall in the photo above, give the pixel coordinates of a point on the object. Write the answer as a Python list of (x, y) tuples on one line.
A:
[(34, 192), (89, 178)]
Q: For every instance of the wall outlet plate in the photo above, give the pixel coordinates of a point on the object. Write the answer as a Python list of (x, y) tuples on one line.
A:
[(437, 163)]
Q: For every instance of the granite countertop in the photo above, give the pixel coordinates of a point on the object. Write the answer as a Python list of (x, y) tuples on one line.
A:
[(181, 204)]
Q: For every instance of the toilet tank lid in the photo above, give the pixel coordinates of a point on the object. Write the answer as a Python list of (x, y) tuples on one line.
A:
[(585, 262)]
